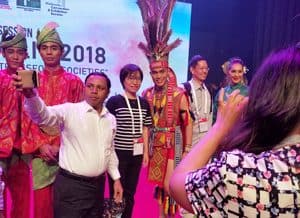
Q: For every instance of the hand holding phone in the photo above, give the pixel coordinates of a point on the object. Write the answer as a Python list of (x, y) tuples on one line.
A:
[(30, 78)]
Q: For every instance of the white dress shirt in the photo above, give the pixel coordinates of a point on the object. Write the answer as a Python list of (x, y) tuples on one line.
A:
[(201, 107), (86, 136)]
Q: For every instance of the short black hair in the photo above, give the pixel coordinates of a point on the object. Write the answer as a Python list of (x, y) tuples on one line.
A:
[(127, 69), (195, 59), (108, 83)]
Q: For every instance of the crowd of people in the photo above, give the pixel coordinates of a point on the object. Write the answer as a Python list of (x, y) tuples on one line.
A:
[(233, 154)]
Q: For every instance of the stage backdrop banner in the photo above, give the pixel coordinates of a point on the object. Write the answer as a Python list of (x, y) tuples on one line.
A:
[(98, 35)]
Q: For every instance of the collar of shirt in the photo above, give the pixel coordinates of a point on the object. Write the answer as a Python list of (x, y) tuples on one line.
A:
[(197, 85), (237, 86), (54, 73), (89, 108)]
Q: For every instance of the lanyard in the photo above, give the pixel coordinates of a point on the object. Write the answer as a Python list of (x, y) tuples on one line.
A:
[(132, 116), (206, 97)]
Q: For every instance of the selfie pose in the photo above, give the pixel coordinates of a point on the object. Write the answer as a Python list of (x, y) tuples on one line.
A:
[(86, 153)]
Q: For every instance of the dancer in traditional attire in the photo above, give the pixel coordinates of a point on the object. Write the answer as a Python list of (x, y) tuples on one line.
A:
[(171, 135)]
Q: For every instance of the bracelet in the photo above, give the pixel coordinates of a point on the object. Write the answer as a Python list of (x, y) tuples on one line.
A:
[(187, 148)]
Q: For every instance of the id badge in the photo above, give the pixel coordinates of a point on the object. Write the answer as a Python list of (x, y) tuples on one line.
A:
[(138, 146), (203, 124)]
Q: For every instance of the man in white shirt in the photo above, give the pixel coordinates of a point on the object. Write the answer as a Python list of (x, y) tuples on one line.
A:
[(200, 102), (86, 152), (199, 97)]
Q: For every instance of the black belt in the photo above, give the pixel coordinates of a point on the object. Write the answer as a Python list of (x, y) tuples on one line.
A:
[(74, 176)]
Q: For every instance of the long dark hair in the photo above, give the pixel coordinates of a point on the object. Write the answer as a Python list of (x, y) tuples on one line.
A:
[(274, 104)]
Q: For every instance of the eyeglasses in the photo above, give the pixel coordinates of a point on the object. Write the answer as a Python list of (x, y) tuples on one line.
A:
[(132, 78), (203, 68)]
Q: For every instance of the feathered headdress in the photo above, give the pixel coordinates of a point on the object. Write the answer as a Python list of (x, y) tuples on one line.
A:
[(48, 34), (156, 16), (18, 40)]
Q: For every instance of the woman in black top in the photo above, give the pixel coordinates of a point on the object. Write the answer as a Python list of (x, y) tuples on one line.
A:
[(133, 117)]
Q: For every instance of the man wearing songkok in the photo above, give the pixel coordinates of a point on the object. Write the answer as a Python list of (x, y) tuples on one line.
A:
[(16, 140), (56, 87), (172, 124)]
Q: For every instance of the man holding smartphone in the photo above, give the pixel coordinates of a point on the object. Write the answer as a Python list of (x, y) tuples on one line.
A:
[(20, 134), (56, 87), (86, 153)]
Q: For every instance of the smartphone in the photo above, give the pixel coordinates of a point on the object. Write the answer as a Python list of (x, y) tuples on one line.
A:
[(30, 78)]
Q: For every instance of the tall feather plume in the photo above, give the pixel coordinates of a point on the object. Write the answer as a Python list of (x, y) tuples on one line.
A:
[(160, 22), (167, 15), (156, 15), (145, 49), (144, 9), (152, 25), (171, 46)]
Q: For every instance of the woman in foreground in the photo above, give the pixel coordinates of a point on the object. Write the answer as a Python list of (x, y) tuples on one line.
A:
[(257, 174)]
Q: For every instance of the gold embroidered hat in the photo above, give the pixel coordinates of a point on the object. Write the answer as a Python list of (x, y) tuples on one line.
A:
[(17, 40), (48, 34)]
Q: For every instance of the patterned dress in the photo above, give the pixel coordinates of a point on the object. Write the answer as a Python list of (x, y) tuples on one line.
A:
[(242, 184)]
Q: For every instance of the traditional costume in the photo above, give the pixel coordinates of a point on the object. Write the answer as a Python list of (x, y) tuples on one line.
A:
[(17, 141), (55, 88), (167, 140)]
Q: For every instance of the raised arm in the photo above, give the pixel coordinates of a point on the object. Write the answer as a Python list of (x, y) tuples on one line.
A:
[(199, 156), (36, 108)]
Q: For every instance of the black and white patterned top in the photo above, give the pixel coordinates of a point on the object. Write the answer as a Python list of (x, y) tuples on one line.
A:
[(242, 184), (118, 107)]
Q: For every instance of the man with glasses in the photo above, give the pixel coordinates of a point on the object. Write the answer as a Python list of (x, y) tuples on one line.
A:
[(200, 103)]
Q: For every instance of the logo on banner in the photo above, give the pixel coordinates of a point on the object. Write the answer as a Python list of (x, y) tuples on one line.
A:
[(57, 7), (4, 4), (29, 4)]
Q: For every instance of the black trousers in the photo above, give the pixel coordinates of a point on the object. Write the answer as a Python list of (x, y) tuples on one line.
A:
[(129, 167), (78, 196)]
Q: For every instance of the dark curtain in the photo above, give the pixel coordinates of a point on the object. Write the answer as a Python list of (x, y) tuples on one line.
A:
[(250, 29), (277, 25)]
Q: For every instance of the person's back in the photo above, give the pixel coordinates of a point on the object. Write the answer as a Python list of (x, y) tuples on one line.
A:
[(261, 176)]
